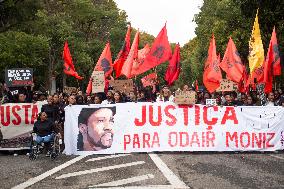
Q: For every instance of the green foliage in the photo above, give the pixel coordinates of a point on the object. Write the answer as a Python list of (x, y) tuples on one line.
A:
[(145, 38), (33, 32), (14, 15), (233, 18), (18, 49), (190, 69), (44, 26)]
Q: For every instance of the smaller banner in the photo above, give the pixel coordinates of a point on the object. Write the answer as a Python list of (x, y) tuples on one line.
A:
[(211, 102), (98, 81), (69, 90), (122, 85), (227, 85), (19, 77), (185, 97)]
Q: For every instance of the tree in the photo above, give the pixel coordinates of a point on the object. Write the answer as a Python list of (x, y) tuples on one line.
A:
[(234, 18), (190, 69), (86, 24), (18, 49)]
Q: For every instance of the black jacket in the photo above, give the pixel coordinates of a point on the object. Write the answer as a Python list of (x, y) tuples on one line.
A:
[(43, 128)]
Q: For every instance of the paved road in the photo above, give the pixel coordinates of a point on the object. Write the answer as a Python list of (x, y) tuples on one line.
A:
[(162, 170)]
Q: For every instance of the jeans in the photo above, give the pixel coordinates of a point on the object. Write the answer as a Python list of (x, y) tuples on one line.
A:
[(44, 139)]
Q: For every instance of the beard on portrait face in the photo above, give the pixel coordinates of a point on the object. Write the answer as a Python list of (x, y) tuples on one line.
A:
[(99, 143)]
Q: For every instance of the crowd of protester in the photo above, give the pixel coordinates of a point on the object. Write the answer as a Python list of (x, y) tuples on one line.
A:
[(60, 99), (56, 103)]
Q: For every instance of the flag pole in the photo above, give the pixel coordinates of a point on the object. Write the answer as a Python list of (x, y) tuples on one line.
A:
[(250, 87), (135, 79), (155, 69), (275, 83), (78, 84)]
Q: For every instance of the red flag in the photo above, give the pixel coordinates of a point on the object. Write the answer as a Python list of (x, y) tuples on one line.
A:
[(122, 55), (212, 73), (173, 70), (105, 61), (132, 56), (251, 83), (67, 56), (159, 53), (267, 70), (104, 64), (243, 85), (268, 66), (89, 87), (142, 53), (69, 68), (268, 87), (68, 71), (149, 80), (232, 63), (276, 58)]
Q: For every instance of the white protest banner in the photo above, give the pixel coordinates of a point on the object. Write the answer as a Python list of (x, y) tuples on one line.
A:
[(148, 127), (98, 81), (18, 119), (211, 102), (16, 124)]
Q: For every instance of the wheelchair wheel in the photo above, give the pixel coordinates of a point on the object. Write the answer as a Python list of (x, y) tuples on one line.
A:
[(53, 155), (32, 156), (55, 147), (34, 152)]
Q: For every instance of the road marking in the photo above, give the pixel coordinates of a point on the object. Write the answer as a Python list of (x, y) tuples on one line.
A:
[(48, 173), (99, 169), (142, 187), (172, 178), (278, 157), (125, 181), (107, 157)]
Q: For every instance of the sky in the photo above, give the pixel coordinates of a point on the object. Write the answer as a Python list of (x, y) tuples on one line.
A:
[(151, 15)]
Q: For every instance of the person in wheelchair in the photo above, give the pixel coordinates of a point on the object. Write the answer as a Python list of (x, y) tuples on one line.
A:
[(45, 131)]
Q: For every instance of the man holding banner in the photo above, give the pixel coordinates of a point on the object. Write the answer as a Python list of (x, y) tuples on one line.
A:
[(95, 128)]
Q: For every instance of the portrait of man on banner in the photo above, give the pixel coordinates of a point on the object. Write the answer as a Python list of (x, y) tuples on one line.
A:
[(95, 128)]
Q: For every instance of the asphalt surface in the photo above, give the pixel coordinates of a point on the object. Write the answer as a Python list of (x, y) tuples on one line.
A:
[(138, 170)]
